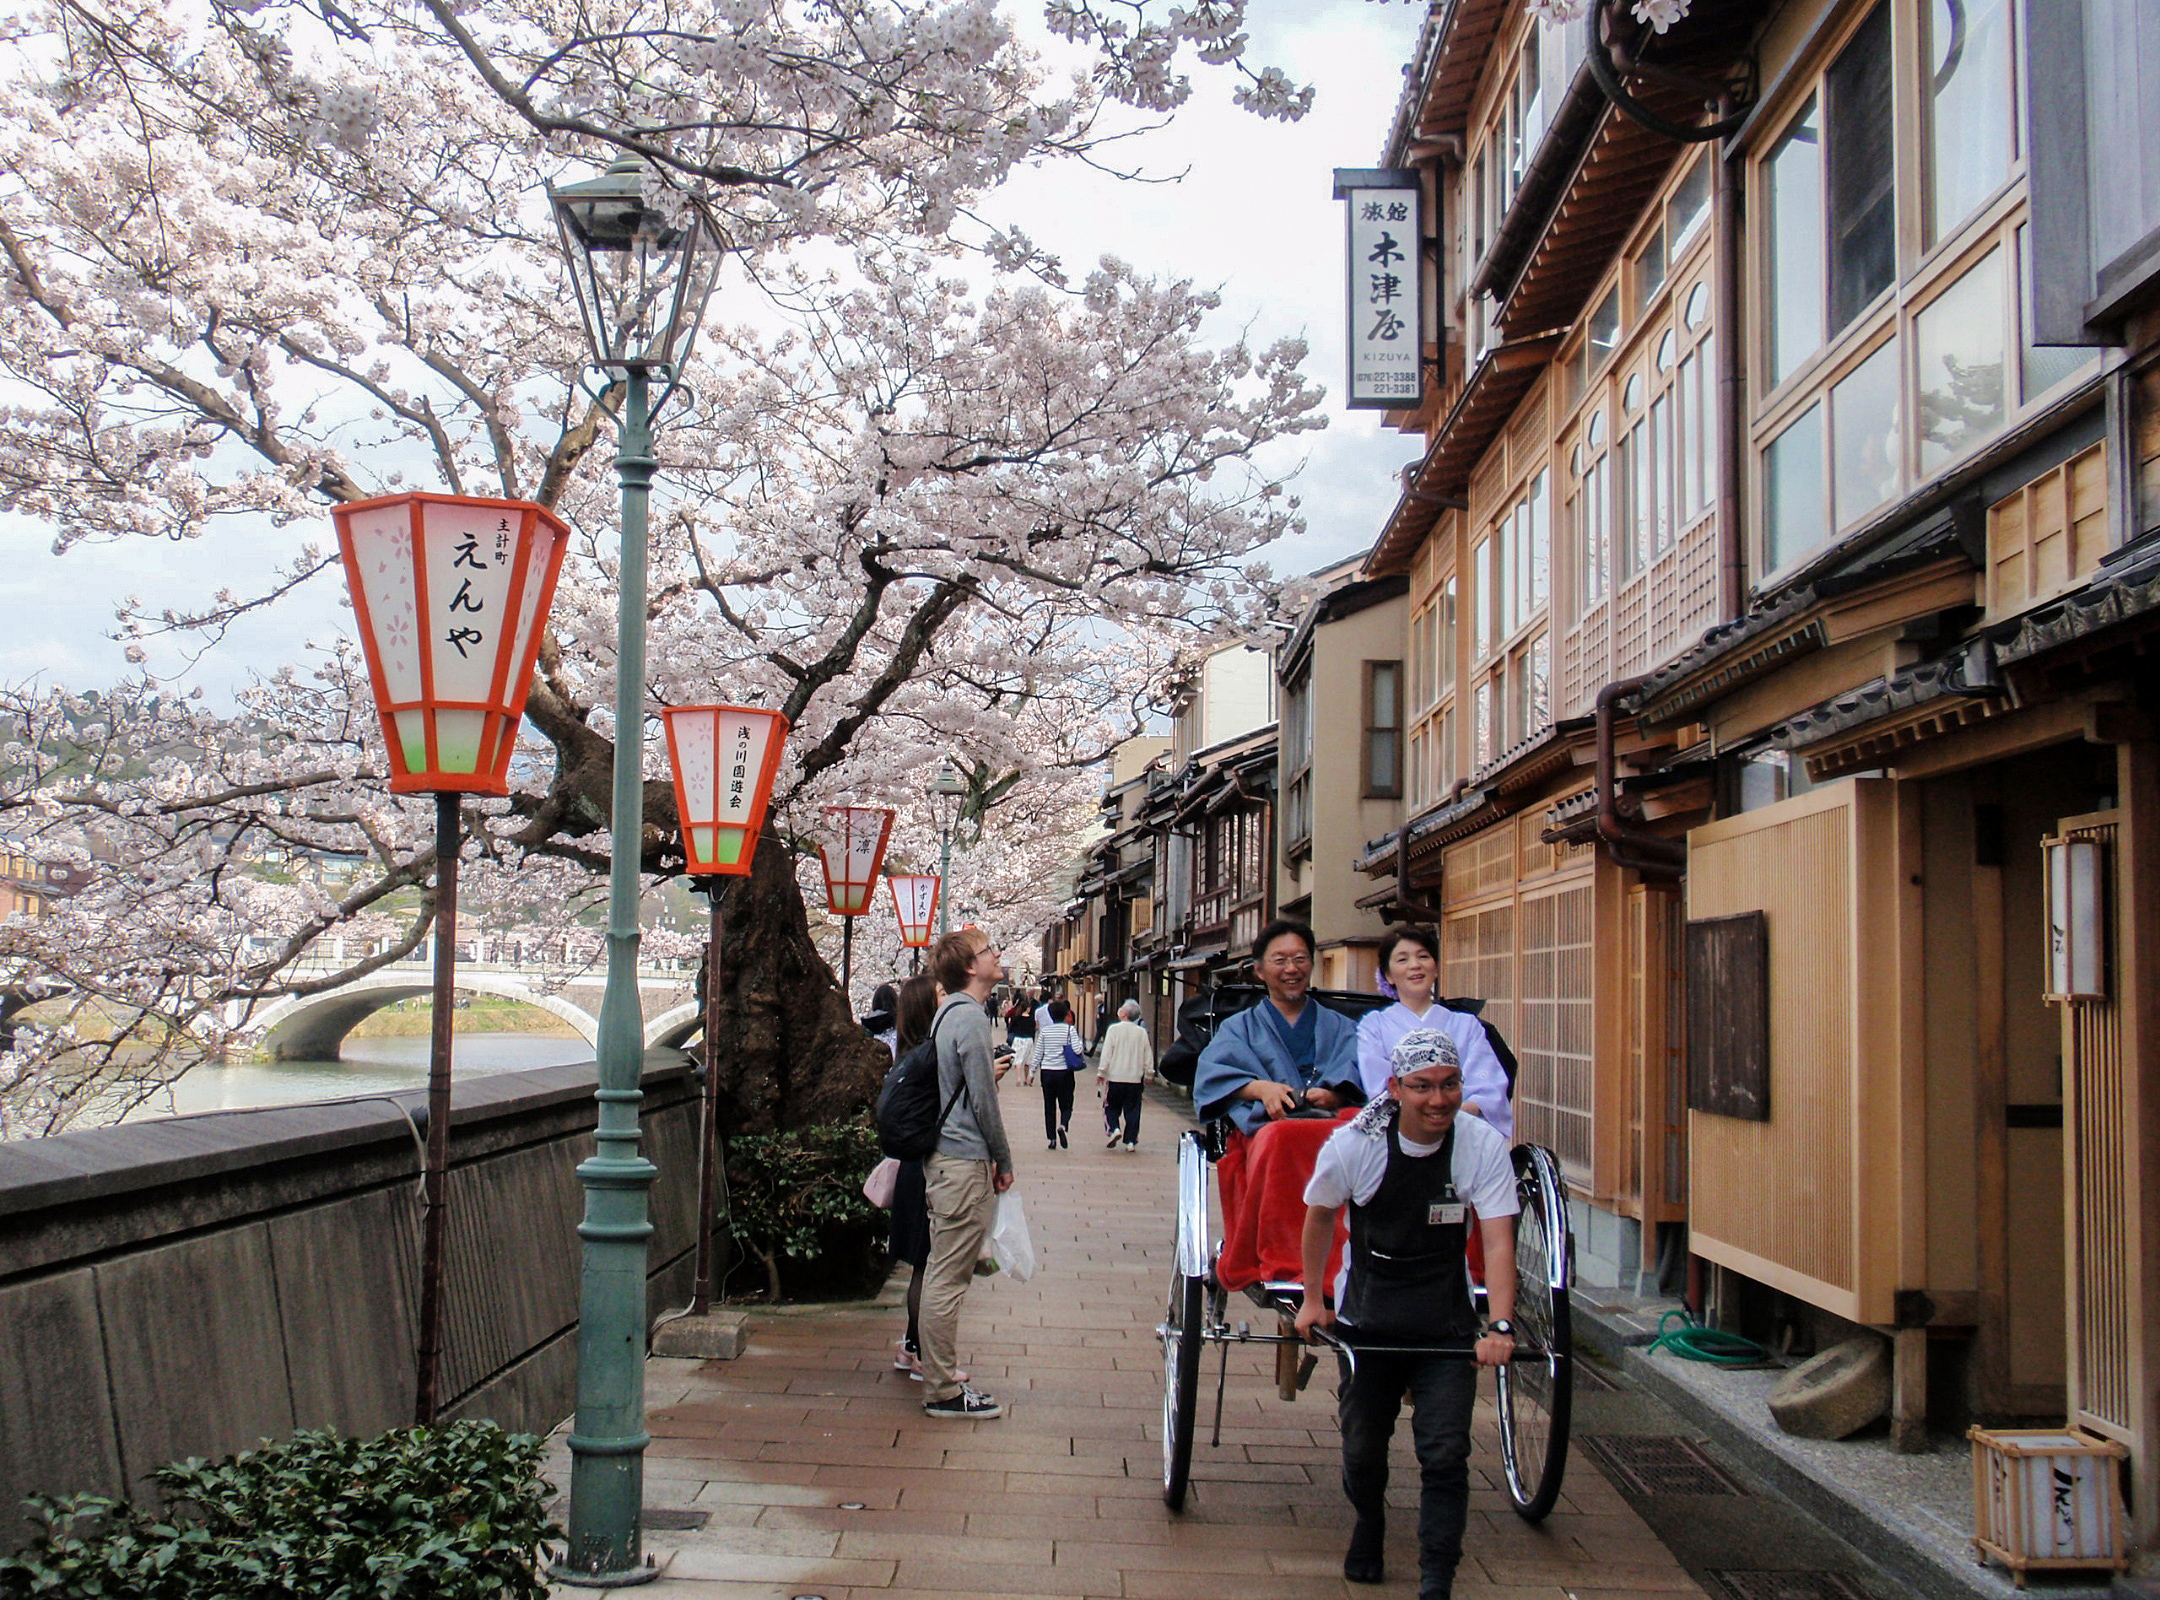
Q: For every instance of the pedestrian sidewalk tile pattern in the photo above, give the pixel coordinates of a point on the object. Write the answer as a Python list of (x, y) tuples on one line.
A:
[(824, 1478)]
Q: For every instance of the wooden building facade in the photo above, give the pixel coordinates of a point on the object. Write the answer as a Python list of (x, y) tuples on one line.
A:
[(1782, 563)]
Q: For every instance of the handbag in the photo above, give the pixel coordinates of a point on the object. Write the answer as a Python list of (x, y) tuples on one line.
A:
[(878, 1187), (1074, 1060)]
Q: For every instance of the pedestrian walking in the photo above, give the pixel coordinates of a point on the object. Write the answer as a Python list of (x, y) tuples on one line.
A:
[(1020, 1024), (1408, 1166), (881, 1019), (1121, 1069), (1057, 1054), (970, 1168)]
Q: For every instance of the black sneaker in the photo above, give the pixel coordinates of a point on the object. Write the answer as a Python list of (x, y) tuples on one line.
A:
[(966, 1406), (1061, 1139)]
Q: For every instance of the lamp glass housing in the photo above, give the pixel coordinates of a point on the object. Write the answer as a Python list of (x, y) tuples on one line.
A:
[(642, 277), (2076, 919), (915, 898), (851, 849), (724, 759), (946, 791), (451, 592)]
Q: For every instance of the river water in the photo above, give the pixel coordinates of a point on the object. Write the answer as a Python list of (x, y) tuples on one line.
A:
[(365, 1066)]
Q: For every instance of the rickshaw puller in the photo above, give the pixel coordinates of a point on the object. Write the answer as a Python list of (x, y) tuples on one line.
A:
[(1408, 1167)]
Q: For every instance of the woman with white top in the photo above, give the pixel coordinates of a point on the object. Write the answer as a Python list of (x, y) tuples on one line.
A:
[(1054, 1070), (1410, 959)]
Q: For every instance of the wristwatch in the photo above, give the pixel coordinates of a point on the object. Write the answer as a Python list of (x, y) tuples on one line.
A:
[(1501, 1325)]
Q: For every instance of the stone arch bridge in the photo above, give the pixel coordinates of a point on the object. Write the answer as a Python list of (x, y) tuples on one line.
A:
[(311, 1027)]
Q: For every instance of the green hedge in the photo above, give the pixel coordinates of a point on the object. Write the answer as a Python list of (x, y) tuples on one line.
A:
[(450, 1513), (798, 1195)]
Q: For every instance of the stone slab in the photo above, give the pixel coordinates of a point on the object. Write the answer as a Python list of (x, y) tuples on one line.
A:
[(348, 1301), (195, 1350), (55, 1414), (716, 1336)]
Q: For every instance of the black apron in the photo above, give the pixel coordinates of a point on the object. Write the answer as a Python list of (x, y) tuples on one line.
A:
[(1409, 1283)]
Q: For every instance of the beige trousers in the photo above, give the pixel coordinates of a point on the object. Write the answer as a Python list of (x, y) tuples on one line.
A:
[(962, 1201)]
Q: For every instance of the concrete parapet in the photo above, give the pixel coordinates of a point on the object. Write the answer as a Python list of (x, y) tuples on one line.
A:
[(195, 1285)]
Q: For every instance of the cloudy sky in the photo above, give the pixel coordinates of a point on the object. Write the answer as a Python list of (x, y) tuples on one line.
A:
[(1245, 206)]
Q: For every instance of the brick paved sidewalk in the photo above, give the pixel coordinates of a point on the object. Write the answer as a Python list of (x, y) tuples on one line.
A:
[(824, 1478)]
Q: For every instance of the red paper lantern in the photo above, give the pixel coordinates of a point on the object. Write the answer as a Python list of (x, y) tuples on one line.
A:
[(851, 849), (915, 899), (724, 759), (451, 592)]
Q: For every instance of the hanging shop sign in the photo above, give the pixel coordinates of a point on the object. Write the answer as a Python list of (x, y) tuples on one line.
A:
[(1384, 286)]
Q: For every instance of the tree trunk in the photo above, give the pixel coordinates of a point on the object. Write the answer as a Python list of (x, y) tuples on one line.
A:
[(791, 1051)]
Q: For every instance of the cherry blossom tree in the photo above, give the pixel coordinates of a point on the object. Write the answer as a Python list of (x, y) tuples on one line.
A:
[(267, 261)]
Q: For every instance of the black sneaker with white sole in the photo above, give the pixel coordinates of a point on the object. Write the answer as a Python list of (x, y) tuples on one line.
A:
[(966, 1406)]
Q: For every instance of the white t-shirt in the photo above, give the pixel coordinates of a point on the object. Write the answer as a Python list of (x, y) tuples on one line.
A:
[(1352, 1164)]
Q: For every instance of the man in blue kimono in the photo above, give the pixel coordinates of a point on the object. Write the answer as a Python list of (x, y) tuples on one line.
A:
[(1289, 1053)]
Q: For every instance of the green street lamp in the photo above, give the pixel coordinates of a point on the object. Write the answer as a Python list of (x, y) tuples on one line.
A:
[(642, 275), (946, 791)]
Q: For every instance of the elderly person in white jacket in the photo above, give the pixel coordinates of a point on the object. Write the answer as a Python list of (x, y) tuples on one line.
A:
[(1126, 1062)]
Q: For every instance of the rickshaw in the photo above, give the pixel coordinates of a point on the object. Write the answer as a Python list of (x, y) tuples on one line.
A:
[(1534, 1393)]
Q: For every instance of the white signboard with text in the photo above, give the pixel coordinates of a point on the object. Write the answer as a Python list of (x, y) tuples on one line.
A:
[(1384, 288)]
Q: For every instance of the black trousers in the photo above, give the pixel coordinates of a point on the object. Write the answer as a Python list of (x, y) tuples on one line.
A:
[(1121, 1102), (1442, 1393), (1057, 1088)]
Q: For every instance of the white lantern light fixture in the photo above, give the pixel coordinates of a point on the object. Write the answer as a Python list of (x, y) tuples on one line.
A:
[(915, 903), (450, 592), (851, 849), (2076, 918), (724, 759)]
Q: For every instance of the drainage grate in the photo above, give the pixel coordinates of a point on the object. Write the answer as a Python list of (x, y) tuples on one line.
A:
[(672, 1519), (1788, 1585), (1659, 1464)]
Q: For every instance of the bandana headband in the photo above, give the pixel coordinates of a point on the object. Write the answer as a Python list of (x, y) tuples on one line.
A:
[(1415, 1051)]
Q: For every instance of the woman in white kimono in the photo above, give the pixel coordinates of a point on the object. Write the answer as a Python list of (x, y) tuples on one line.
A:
[(1410, 960)]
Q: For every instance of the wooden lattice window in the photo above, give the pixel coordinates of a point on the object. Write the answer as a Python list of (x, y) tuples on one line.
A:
[(1554, 1038), (2048, 535)]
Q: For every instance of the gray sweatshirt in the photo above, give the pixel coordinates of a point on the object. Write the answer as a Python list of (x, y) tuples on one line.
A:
[(975, 1131)]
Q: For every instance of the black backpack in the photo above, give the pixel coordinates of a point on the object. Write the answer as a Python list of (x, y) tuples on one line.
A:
[(908, 1118)]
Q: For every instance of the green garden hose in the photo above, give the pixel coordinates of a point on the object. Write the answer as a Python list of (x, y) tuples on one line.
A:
[(1693, 1343)]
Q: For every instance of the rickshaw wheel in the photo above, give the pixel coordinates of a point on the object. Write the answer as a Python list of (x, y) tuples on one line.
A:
[(1181, 1385), (1536, 1391)]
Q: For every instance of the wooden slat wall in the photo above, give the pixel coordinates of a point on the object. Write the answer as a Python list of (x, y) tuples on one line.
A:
[(2098, 1163), (2049, 535), (1780, 1200)]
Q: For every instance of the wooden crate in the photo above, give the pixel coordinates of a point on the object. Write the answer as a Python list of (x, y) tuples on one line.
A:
[(2047, 1498)]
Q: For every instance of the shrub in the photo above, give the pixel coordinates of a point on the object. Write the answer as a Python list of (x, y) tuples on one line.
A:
[(457, 1512), (798, 1194)]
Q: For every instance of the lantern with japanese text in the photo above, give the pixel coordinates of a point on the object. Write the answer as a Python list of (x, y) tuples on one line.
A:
[(451, 593), (851, 849), (915, 900), (724, 759)]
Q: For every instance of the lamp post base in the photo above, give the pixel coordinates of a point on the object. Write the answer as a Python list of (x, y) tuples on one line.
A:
[(577, 1579)]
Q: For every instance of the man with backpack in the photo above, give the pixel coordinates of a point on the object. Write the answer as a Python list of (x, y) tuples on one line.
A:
[(968, 1169)]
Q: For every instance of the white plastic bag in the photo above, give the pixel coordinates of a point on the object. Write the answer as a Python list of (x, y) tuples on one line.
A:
[(878, 1187), (1009, 1241)]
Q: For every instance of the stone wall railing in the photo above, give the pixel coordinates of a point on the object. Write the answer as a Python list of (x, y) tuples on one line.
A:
[(190, 1287)]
